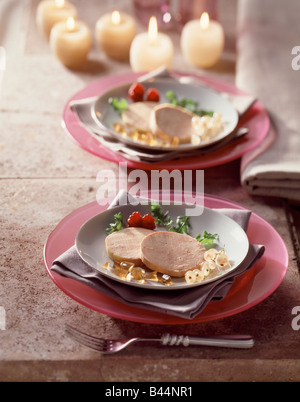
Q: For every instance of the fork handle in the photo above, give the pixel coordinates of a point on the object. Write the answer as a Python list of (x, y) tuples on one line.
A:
[(230, 341)]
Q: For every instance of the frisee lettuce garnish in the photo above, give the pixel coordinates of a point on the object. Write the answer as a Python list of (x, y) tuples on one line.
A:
[(116, 225), (119, 104), (182, 225), (208, 239), (188, 104), (161, 219)]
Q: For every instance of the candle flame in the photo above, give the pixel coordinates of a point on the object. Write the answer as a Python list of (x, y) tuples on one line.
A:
[(204, 21), (60, 3), (116, 18), (152, 30), (70, 23)]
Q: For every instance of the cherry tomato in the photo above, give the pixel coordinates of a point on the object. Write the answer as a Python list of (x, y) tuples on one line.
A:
[(136, 92), (152, 95), (148, 222), (135, 219)]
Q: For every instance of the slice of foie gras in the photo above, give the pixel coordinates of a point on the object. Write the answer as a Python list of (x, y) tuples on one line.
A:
[(171, 253), (138, 115), (170, 121), (125, 245)]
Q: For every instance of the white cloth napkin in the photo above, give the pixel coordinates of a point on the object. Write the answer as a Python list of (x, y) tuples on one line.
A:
[(181, 303), (267, 33)]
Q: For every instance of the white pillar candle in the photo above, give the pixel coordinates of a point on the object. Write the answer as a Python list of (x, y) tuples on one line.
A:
[(202, 42), (71, 41), (152, 49), (49, 12), (114, 33)]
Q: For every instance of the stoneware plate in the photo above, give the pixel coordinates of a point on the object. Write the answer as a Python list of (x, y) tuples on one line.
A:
[(256, 120), (247, 290), (208, 99), (90, 241)]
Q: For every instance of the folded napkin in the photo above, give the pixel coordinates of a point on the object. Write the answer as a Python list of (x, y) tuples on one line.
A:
[(185, 303), (264, 68)]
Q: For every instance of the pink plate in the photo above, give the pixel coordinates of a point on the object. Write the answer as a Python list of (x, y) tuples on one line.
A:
[(247, 290), (256, 120)]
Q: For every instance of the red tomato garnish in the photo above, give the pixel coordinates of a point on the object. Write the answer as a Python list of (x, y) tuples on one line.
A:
[(152, 95), (135, 219), (148, 222), (136, 92)]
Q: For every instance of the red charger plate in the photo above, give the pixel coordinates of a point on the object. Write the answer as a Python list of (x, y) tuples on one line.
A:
[(256, 120), (247, 291)]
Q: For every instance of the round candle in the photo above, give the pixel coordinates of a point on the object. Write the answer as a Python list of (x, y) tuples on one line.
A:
[(202, 42), (49, 12), (152, 49), (71, 41), (114, 33)]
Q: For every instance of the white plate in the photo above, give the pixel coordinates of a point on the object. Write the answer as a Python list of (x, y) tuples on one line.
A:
[(208, 99), (90, 240)]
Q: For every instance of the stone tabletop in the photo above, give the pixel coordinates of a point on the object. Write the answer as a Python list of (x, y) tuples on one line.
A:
[(44, 176)]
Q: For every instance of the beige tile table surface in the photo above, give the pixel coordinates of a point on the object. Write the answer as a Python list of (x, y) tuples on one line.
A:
[(44, 176)]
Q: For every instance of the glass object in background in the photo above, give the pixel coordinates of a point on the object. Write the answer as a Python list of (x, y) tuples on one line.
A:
[(161, 9), (173, 14), (193, 9)]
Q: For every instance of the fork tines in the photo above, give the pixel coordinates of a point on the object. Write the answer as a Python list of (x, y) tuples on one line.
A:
[(101, 345)]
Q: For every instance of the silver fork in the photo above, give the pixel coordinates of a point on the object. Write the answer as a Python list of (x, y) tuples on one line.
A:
[(106, 346)]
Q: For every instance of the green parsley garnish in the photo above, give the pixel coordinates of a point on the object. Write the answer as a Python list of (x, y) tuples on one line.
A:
[(161, 219), (208, 239), (119, 104), (188, 104), (183, 225), (116, 225)]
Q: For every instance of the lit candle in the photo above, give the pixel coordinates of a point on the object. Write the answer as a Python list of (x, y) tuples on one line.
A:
[(71, 41), (49, 12), (114, 33), (202, 42), (152, 49)]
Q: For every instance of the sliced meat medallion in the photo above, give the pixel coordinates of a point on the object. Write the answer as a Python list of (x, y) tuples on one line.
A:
[(170, 121), (138, 115), (171, 253), (125, 245)]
